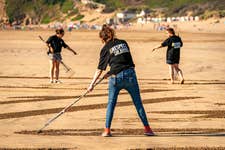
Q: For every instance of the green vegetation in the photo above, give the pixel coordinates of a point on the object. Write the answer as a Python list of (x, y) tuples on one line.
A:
[(42, 11), (181, 7), (45, 11), (210, 14), (67, 6), (94, 19), (171, 3), (203, 8), (46, 19), (111, 5), (172, 7), (78, 17), (73, 12), (156, 3)]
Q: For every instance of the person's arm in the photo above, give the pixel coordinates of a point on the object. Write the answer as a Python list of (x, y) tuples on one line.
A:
[(70, 49), (102, 65), (95, 78), (50, 48), (181, 43), (48, 43), (157, 47), (67, 47), (163, 44)]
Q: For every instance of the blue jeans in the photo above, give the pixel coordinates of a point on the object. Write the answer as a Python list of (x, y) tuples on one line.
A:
[(124, 80)]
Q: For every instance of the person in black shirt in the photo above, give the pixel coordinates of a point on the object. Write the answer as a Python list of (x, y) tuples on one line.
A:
[(122, 75), (55, 44), (174, 44)]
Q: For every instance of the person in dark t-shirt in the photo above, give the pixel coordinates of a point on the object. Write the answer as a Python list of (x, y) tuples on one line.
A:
[(174, 43), (55, 44), (116, 54)]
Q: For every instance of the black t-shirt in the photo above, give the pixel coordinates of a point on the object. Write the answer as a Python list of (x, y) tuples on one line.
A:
[(56, 43), (117, 54), (174, 43)]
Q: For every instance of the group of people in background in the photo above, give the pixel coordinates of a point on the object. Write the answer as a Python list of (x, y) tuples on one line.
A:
[(116, 53)]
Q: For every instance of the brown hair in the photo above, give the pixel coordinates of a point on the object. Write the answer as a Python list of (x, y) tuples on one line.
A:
[(170, 30), (107, 33), (59, 31)]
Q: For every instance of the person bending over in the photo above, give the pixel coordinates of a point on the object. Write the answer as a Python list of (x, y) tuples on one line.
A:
[(116, 53)]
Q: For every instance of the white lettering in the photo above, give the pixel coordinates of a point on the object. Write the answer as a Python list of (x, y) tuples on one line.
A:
[(176, 45), (119, 49)]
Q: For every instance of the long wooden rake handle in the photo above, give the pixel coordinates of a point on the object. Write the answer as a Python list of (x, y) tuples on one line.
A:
[(66, 108)]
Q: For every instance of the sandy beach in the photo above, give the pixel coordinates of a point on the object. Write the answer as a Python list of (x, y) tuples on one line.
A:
[(190, 116)]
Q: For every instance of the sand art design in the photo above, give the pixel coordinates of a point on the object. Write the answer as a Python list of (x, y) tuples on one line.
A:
[(202, 113), (24, 86), (88, 107), (129, 132), (26, 99)]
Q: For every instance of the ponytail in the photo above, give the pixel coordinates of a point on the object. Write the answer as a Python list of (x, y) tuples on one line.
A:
[(107, 33)]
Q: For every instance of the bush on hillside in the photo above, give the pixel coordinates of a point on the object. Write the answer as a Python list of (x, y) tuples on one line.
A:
[(66, 6), (213, 14), (78, 17), (46, 19)]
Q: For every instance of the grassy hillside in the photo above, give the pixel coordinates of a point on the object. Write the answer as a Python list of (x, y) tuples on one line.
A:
[(42, 11), (45, 11), (206, 8), (183, 7), (159, 3)]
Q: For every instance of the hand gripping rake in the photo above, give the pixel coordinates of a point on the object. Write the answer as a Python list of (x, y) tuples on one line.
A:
[(67, 68), (66, 108)]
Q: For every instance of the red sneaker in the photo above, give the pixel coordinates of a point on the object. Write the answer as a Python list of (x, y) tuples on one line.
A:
[(107, 133), (148, 131)]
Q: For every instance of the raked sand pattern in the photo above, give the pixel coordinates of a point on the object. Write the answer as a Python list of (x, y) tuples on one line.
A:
[(189, 116)]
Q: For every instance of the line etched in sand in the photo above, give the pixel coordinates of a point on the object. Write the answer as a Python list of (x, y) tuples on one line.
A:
[(51, 98), (206, 113), (152, 148), (49, 148), (127, 131), (44, 77), (39, 87), (89, 78), (88, 107)]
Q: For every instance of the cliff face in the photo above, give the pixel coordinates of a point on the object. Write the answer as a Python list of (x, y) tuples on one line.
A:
[(2, 9), (3, 16)]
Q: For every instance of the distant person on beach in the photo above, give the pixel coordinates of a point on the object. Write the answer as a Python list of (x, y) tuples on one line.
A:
[(174, 43), (116, 53), (55, 44)]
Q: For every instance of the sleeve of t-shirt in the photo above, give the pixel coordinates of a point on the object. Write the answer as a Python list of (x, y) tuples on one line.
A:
[(64, 44), (103, 60), (127, 45), (181, 42), (166, 42), (49, 40)]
